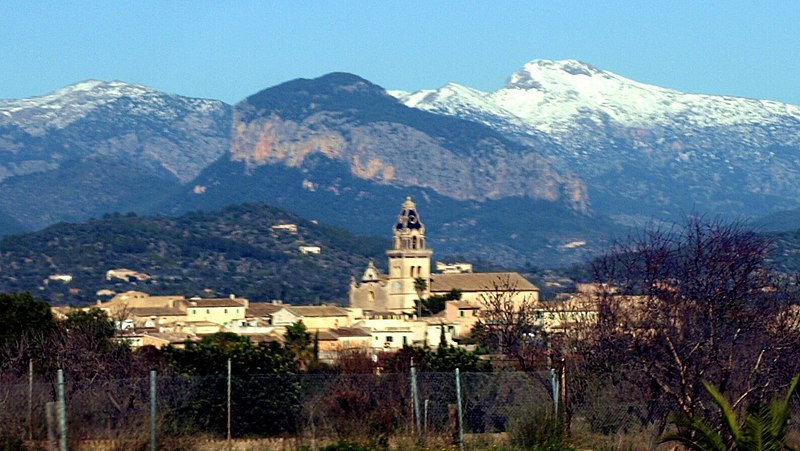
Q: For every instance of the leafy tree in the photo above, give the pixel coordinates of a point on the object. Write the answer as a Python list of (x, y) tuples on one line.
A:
[(435, 303), (21, 314), (764, 428), (299, 342), (443, 359), (265, 395)]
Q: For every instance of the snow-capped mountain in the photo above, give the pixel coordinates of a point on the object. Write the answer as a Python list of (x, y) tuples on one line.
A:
[(97, 146), (551, 95), (635, 143)]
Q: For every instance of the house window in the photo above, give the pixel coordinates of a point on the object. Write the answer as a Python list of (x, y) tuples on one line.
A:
[(376, 338), (405, 340), (451, 329), (194, 311), (389, 338), (461, 313), (208, 311), (226, 310)]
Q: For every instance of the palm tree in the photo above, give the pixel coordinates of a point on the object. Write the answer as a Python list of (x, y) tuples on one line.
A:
[(763, 429), (420, 285)]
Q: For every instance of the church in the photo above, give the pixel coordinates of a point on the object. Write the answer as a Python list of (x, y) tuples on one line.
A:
[(410, 275)]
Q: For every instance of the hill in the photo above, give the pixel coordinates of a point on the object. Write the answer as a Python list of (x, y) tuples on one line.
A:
[(233, 251)]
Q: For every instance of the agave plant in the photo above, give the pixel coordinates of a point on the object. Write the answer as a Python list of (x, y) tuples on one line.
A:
[(763, 429)]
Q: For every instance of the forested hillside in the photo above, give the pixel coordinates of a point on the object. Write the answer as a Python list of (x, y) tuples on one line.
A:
[(232, 251)]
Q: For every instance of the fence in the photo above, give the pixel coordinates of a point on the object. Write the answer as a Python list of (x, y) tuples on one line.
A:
[(150, 412)]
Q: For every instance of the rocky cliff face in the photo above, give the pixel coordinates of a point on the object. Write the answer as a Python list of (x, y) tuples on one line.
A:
[(390, 144)]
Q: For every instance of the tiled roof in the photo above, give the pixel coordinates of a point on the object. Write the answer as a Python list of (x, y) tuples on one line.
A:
[(263, 308), (217, 302), (316, 310), (471, 282), (349, 332), (156, 311)]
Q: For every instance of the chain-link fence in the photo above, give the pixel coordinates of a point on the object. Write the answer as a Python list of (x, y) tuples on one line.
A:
[(308, 407)]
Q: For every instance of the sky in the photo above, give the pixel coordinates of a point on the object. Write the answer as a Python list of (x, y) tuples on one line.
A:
[(228, 50)]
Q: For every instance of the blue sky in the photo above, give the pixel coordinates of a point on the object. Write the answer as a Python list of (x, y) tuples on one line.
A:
[(230, 49)]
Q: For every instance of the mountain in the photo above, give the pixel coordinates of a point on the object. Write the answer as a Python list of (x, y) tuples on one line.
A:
[(341, 150), (642, 150), (234, 250), (96, 147)]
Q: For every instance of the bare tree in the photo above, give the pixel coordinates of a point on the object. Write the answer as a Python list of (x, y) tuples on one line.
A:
[(696, 303), (508, 319)]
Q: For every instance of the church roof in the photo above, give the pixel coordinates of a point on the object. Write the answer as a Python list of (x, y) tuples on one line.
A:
[(486, 281), (409, 217)]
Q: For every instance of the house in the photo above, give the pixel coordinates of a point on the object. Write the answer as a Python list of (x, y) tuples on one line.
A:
[(220, 311), (463, 314), (316, 317), (453, 268), (126, 275), (291, 228), (310, 250), (65, 278)]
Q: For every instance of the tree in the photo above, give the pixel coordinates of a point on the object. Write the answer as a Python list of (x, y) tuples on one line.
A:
[(508, 321), (682, 305), (436, 303), (420, 286), (265, 396), (764, 428), (21, 314), (299, 342)]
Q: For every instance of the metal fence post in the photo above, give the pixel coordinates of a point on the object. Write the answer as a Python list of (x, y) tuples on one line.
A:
[(555, 382), (50, 409), (425, 417), (460, 411), (152, 410), (229, 399), (415, 397), (62, 412), (30, 399)]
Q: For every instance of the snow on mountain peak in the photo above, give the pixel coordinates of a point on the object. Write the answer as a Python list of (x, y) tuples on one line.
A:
[(552, 96), (64, 106)]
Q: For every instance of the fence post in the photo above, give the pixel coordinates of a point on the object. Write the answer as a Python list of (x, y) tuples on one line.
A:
[(50, 409), (415, 397), (460, 411), (555, 382), (425, 417), (229, 399), (30, 399), (62, 412), (152, 410)]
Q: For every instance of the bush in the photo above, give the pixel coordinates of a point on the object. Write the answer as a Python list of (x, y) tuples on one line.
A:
[(539, 431)]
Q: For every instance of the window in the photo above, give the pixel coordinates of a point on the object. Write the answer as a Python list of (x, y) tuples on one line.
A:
[(208, 311), (389, 338), (405, 340), (226, 310), (376, 338), (194, 311), (461, 313)]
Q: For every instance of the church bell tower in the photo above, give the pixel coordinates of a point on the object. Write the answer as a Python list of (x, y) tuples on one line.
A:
[(409, 259)]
